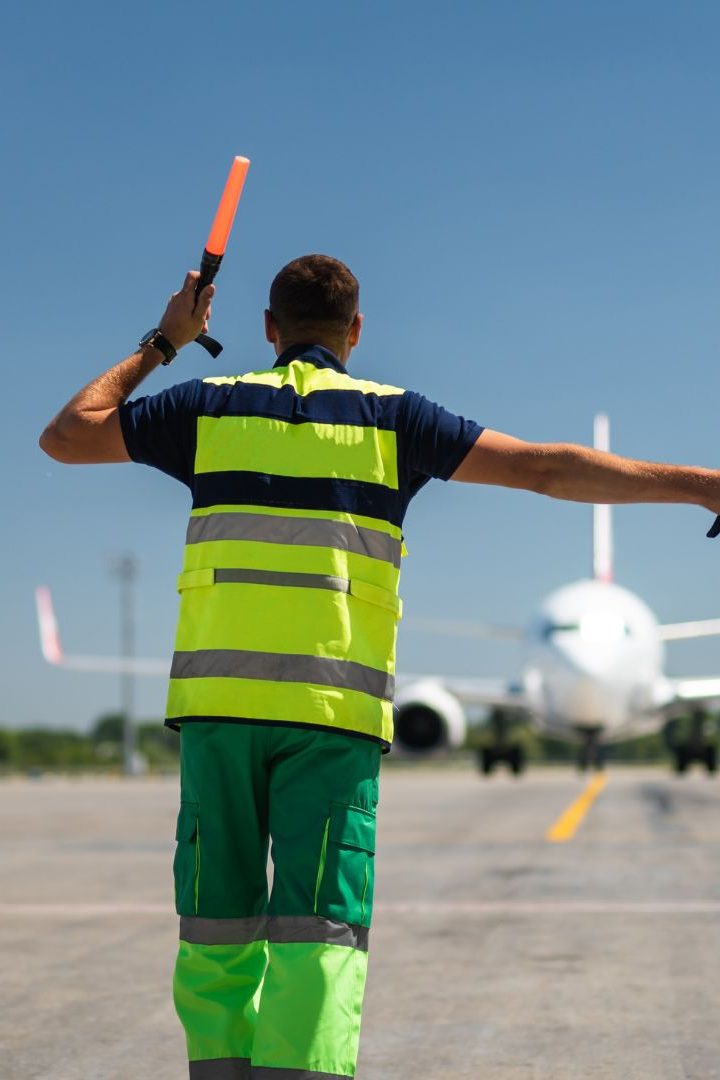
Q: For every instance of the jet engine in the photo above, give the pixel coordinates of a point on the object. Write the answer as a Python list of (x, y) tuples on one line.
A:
[(428, 717)]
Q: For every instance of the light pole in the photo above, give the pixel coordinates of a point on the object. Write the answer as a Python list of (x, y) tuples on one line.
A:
[(125, 569)]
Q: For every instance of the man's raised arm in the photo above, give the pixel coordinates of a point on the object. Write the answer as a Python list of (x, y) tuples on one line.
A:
[(87, 431), (578, 473)]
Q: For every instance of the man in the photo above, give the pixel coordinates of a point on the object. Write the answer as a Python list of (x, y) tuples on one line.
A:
[(282, 679)]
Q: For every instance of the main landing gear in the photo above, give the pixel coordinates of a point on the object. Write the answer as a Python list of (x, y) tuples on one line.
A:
[(501, 750), (592, 753), (490, 756), (695, 747)]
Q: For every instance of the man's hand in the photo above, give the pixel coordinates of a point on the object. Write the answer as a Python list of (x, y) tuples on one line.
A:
[(185, 315), (87, 429)]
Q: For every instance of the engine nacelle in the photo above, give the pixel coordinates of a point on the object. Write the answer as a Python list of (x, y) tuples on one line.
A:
[(428, 717)]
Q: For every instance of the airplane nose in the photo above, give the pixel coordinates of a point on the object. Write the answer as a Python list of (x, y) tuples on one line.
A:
[(587, 700), (579, 659)]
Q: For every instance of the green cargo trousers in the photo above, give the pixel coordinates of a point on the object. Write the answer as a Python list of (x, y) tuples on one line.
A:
[(271, 987)]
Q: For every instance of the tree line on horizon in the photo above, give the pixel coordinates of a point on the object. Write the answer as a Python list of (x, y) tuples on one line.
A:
[(39, 749), (100, 749)]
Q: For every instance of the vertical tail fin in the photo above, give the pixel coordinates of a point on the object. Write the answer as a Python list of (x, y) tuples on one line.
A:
[(602, 515), (52, 649), (47, 624)]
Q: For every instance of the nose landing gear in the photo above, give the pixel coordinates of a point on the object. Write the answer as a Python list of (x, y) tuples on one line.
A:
[(592, 752)]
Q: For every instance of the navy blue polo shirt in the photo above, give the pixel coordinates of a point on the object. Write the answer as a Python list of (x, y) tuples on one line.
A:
[(161, 430)]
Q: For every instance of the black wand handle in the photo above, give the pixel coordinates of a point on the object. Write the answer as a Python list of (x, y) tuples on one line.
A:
[(715, 530), (209, 266)]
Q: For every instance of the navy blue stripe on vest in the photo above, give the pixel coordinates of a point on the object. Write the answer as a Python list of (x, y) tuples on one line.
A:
[(297, 492), (319, 406)]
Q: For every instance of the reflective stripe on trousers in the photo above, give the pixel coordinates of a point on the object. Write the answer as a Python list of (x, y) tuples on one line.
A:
[(241, 1069), (278, 928), (221, 1069)]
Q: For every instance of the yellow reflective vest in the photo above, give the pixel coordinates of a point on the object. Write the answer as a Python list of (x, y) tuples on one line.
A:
[(289, 591)]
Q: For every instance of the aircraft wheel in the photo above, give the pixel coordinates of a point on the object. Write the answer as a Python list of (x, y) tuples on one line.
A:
[(711, 758), (516, 759), (486, 760), (681, 759), (585, 758)]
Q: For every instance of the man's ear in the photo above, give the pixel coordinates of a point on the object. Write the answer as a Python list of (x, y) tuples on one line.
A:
[(271, 330), (355, 330)]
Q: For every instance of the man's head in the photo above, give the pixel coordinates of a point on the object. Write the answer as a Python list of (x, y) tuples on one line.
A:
[(314, 300)]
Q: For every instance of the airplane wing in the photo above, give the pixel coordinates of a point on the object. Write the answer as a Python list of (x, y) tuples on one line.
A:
[(493, 693), (460, 628), (53, 653), (695, 629)]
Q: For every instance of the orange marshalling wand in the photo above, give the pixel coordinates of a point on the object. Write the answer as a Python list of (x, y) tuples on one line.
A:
[(221, 226), (218, 238)]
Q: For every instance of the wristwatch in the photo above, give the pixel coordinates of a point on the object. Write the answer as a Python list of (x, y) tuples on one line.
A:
[(157, 340)]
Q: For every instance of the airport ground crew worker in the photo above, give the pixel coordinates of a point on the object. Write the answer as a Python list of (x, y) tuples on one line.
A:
[(282, 679)]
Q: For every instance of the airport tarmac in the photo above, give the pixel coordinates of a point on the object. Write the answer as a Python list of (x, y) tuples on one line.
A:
[(497, 953)]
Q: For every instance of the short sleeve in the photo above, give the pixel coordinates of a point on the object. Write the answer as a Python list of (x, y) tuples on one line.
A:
[(161, 430), (432, 440)]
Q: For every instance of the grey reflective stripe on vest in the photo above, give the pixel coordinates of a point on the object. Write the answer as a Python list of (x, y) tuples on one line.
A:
[(199, 931), (262, 1072), (221, 1069), (287, 929), (283, 578), (308, 532), (279, 929), (282, 667)]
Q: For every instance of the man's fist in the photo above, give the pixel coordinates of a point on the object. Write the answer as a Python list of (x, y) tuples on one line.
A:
[(187, 316)]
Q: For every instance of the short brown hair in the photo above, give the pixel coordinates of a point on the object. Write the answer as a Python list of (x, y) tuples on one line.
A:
[(314, 291)]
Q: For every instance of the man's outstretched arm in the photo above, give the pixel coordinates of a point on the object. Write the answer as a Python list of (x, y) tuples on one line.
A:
[(87, 431), (578, 473)]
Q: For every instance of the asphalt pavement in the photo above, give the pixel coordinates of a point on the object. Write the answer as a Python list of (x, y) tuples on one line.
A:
[(497, 953)]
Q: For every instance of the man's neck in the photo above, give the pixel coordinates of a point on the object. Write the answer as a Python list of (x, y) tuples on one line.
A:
[(339, 352)]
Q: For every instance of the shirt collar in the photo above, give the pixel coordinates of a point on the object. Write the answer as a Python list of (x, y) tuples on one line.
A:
[(313, 354)]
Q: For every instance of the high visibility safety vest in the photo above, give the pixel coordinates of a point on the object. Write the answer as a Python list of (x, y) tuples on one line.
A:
[(289, 591)]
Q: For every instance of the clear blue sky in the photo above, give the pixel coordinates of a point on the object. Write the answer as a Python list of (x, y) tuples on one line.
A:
[(530, 196)]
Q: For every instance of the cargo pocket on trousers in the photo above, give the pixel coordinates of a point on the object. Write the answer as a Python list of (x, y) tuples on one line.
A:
[(346, 874), (186, 865)]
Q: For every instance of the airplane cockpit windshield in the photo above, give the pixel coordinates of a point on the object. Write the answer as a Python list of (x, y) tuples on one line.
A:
[(597, 627)]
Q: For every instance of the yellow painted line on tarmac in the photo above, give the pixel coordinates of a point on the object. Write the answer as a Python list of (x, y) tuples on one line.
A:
[(571, 819)]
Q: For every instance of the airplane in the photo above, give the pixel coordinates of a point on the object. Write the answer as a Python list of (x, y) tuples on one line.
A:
[(53, 652), (593, 673)]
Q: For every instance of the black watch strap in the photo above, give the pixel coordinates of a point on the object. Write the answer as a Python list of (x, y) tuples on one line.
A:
[(157, 340), (213, 347)]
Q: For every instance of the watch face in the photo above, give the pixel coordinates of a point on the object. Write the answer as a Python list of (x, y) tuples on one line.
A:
[(146, 337)]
